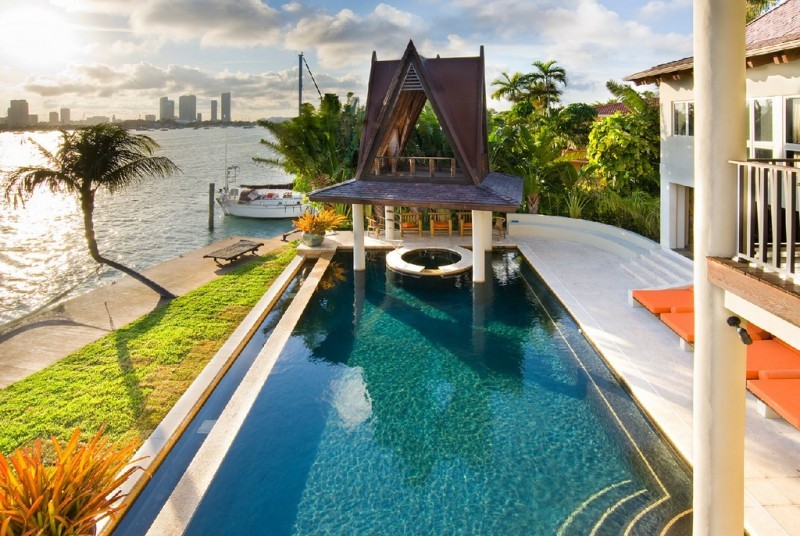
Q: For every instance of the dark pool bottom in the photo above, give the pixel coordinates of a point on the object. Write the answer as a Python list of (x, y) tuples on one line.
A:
[(430, 258), (399, 408)]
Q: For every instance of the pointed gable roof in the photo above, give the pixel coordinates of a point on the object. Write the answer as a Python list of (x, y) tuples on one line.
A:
[(398, 90)]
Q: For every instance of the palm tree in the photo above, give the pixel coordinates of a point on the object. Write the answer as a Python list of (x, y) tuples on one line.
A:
[(755, 8), (98, 157), (318, 147), (513, 88), (543, 83)]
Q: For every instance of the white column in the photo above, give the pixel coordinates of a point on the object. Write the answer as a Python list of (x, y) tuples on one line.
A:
[(719, 357), (478, 248), (359, 257), (389, 221), (487, 230)]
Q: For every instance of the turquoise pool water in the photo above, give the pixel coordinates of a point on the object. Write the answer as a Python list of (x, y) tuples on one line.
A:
[(404, 407)]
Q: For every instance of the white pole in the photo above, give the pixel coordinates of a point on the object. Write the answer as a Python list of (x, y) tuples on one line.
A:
[(389, 222), (478, 248), (359, 255), (487, 230), (719, 357)]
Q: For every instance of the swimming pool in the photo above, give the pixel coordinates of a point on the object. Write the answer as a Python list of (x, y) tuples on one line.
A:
[(402, 407)]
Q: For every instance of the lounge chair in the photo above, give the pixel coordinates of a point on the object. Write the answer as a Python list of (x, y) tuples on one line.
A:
[(771, 354), (780, 391), (441, 221), (669, 300), (410, 222), (464, 223), (682, 324), (499, 227), (374, 226)]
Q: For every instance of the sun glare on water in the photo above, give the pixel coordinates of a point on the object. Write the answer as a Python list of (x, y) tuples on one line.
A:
[(36, 37)]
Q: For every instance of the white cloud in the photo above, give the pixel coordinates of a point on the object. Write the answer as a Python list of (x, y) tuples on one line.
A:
[(211, 22), (347, 39)]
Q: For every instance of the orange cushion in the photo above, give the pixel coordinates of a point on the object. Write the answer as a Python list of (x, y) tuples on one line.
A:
[(662, 301), (770, 355), (680, 323), (779, 375), (410, 225), (781, 395), (756, 333)]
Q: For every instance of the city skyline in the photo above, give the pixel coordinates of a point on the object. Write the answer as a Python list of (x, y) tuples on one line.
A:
[(118, 58)]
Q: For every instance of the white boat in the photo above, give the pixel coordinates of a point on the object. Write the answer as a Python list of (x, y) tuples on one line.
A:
[(259, 200)]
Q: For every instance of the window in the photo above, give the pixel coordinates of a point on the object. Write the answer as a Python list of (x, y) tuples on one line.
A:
[(762, 119), (683, 119), (762, 153), (793, 120)]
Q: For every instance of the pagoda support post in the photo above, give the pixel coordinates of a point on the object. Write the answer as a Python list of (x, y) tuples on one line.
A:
[(478, 247), (388, 230), (359, 254)]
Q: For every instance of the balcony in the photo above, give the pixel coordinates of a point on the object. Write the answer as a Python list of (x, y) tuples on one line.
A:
[(764, 272), (767, 235), (422, 168)]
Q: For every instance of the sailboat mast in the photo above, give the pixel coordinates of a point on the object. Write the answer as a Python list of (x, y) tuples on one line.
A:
[(300, 85)]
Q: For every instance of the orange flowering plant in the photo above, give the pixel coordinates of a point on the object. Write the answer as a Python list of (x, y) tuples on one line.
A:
[(68, 497)]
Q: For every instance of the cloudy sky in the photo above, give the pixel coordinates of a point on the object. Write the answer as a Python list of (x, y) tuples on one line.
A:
[(118, 57)]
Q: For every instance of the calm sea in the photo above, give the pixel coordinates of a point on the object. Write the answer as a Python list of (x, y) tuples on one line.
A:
[(42, 247)]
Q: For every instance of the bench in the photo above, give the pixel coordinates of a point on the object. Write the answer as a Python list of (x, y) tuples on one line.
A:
[(234, 251)]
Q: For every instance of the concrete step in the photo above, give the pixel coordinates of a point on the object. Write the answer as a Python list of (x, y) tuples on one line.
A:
[(660, 268)]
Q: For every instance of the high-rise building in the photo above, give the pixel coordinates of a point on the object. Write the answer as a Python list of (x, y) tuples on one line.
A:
[(54, 118), (226, 107), (65, 116), (199, 117), (18, 113), (166, 109), (187, 108), (213, 110), (150, 117)]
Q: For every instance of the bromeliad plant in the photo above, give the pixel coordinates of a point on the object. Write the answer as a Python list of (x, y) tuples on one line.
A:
[(319, 222), (68, 497)]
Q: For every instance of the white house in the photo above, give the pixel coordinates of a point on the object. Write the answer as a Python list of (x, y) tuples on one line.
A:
[(773, 109)]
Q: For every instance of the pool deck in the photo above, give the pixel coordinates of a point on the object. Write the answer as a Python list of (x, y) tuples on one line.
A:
[(589, 281)]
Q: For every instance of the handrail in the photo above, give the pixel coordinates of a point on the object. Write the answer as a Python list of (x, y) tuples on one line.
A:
[(393, 161), (768, 220)]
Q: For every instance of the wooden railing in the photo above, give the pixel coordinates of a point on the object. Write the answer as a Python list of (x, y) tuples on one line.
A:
[(768, 215), (415, 166)]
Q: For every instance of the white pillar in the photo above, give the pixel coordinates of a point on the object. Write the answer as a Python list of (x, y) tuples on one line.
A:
[(719, 357), (478, 248), (388, 213), (359, 256), (487, 230)]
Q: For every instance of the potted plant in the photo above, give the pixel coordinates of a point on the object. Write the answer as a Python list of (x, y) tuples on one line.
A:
[(68, 496), (315, 224)]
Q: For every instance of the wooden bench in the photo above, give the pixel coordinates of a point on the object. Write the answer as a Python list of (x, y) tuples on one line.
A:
[(234, 251)]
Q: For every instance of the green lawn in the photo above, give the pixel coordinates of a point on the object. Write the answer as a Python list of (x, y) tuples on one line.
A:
[(131, 378)]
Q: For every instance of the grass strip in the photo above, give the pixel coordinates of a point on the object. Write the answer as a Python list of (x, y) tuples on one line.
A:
[(133, 376)]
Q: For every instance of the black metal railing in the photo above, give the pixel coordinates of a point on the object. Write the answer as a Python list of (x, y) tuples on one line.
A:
[(768, 215)]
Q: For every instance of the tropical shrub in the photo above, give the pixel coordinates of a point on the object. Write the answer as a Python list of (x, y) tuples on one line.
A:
[(67, 497), (319, 147), (319, 222)]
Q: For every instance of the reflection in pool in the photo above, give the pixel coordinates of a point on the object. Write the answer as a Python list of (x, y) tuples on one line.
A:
[(408, 409)]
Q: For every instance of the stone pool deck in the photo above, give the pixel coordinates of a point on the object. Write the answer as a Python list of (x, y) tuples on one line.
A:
[(589, 281)]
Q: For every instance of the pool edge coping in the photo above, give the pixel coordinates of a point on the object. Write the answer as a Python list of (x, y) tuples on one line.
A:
[(163, 438)]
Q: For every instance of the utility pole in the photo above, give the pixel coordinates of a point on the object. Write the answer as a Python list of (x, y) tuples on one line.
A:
[(300, 84)]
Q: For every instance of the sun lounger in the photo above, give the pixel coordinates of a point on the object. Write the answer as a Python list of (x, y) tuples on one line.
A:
[(780, 391), (682, 324), (768, 355), (669, 300)]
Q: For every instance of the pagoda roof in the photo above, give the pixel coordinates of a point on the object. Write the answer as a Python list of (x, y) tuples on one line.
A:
[(397, 93), (498, 192)]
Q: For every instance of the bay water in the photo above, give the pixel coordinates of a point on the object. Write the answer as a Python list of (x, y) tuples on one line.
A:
[(43, 253)]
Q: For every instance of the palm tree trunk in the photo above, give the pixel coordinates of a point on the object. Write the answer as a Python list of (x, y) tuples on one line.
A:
[(87, 207)]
